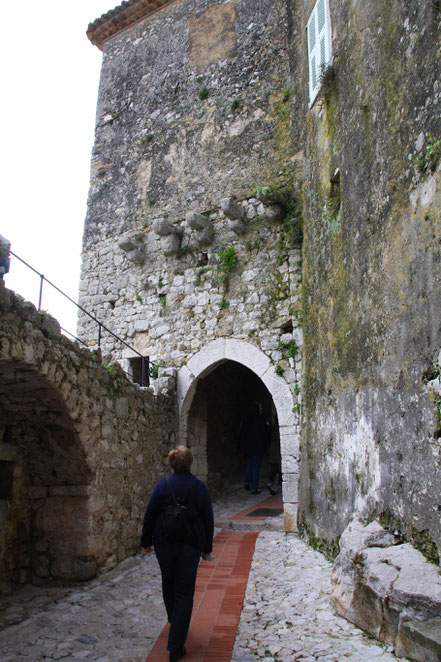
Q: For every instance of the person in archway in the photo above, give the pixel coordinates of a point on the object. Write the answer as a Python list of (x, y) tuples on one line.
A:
[(254, 438), (179, 560)]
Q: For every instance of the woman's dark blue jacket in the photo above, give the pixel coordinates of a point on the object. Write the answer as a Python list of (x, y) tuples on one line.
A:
[(198, 503)]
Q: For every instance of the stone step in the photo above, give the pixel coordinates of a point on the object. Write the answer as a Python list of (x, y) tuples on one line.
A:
[(269, 524)]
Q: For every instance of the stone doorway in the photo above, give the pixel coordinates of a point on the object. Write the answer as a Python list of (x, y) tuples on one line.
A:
[(224, 370), (44, 499), (221, 401)]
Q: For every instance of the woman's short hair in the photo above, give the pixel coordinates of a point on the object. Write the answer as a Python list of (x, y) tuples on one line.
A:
[(180, 459)]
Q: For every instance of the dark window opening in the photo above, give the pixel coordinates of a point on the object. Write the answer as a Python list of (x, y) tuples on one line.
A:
[(138, 366)]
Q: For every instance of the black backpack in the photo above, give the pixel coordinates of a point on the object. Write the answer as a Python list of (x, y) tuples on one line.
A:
[(176, 525)]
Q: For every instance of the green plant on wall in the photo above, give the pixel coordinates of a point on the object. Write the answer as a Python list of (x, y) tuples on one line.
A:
[(293, 223), (154, 371), (203, 93), (183, 251), (328, 79), (227, 261), (431, 375), (427, 161), (289, 349), (235, 105), (199, 273), (280, 288), (162, 300), (264, 191)]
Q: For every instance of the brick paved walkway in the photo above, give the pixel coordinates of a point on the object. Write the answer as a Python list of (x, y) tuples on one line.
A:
[(219, 595)]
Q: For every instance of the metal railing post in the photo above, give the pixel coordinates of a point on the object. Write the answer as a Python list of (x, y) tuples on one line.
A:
[(99, 334), (41, 292), (144, 369)]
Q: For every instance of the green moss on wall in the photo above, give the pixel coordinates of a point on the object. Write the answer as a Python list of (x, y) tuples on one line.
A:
[(328, 547)]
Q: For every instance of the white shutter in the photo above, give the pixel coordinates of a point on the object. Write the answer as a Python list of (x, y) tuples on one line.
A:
[(319, 45)]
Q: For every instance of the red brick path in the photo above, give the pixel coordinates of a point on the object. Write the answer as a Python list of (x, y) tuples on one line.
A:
[(219, 595)]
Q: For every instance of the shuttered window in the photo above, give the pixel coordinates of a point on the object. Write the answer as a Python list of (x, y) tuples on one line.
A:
[(319, 45)]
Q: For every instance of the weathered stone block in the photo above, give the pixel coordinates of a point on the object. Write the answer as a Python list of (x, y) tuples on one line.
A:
[(232, 209), (197, 221), (273, 213), (290, 517), (238, 227), (170, 244), (128, 243), (205, 237), (164, 228), (379, 585), (420, 640)]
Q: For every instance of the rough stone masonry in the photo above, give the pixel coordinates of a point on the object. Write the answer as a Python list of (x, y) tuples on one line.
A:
[(81, 448), (233, 224)]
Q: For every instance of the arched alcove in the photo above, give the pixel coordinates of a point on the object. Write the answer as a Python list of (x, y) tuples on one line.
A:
[(45, 478), (193, 409)]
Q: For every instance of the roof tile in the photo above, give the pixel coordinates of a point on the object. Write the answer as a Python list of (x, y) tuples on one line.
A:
[(124, 15)]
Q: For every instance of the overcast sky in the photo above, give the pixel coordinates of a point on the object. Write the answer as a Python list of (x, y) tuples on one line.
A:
[(50, 77)]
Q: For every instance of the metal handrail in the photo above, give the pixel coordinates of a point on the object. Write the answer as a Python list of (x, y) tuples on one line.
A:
[(151, 367)]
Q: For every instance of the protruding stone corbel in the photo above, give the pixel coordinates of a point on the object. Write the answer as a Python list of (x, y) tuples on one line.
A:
[(134, 246), (232, 209), (202, 226), (235, 212), (170, 234)]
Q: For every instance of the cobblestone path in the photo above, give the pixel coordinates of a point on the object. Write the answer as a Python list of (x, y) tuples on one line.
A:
[(287, 614), (117, 617)]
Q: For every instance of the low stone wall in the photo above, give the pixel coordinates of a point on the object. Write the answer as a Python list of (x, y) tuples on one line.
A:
[(81, 448), (389, 590)]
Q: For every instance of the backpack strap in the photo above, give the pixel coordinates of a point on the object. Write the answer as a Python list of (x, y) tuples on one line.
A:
[(186, 494)]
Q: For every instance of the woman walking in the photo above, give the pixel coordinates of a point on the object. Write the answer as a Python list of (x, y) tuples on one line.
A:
[(179, 559)]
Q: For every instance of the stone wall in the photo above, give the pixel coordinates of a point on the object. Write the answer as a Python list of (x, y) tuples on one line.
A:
[(81, 448), (372, 270), (193, 231)]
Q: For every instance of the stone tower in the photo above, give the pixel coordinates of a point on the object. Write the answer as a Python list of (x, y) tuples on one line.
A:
[(264, 223)]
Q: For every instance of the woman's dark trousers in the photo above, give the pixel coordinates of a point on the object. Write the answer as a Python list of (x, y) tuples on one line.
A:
[(179, 565)]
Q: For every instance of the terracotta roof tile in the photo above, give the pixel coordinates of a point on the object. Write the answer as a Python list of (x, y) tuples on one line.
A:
[(126, 14)]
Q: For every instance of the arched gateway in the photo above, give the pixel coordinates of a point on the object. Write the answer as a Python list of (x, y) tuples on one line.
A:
[(193, 417)]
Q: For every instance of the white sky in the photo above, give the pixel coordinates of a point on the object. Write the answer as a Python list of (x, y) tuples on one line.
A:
[(50, 77)]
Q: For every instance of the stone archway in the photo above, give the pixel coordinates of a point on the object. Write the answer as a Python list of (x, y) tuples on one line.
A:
[(45, 483), (202, 364)]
